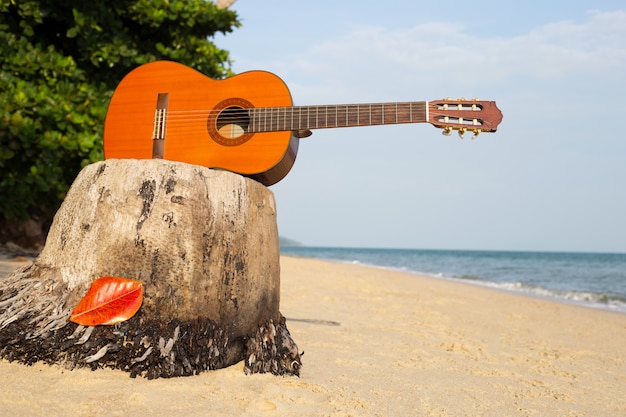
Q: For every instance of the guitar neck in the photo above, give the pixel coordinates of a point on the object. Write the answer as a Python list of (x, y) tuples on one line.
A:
[(275, 119)]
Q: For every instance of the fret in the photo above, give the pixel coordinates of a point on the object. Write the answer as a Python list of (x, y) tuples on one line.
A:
[(376, 114), (383, 115), (388, 114), (320, 115), (261, 119), (364, 119), (289, 116), (353, 113), (305, 119), (299, 118), (278, 125), (271, 119), (402, 112), (317, 117), (326, 121), (342, 116)]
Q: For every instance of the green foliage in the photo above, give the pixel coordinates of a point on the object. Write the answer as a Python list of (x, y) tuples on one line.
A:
[(59, 64)]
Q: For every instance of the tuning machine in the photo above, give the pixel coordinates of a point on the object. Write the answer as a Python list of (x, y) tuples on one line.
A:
[(447, 131)]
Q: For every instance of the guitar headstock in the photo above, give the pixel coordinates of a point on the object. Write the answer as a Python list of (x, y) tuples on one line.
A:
[(463, 115)]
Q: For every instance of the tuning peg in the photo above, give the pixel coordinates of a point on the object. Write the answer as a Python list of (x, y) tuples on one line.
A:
[(446, 131), (476, 133), (462, 132)]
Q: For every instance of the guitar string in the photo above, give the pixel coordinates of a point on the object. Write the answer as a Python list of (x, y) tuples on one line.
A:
[(243, 113), (272, 114), (320, 106), (282, 118)]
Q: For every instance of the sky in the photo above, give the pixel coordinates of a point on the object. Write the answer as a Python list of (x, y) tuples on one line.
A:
[(552, 178)]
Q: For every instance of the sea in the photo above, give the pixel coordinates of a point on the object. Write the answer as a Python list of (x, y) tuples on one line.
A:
[(595, 280)]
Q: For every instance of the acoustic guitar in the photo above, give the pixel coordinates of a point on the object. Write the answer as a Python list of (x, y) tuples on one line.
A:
[(247, 123)]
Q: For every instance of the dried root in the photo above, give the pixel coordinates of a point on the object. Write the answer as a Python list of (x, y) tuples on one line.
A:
[(272, 350), (23, 295), (35, 326), (137, 346)]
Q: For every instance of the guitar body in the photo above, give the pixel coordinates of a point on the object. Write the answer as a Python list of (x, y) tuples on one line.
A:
[(195, 129)]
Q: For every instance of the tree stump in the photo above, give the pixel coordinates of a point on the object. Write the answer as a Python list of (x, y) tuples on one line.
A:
[(204, 244)]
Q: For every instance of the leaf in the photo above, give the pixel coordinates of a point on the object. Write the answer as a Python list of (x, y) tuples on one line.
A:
[(109, 300)]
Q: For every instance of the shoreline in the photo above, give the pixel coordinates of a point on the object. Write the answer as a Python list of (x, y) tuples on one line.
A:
[(377, 342), (489, 285), (589, 299)]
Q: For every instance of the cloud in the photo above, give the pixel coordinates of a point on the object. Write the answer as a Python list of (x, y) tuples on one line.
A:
[(441, 53), (595, 46)]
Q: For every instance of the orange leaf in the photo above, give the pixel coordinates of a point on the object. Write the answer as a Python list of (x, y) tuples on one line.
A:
[(109, 300)]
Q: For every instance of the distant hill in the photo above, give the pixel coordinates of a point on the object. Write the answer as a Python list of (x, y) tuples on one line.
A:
[(288, 242)]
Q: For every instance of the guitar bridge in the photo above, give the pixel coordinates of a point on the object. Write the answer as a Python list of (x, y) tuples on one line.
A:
[(158, 132)]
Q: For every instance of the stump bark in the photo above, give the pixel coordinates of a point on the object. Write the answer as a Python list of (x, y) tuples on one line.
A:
[(204, 244)]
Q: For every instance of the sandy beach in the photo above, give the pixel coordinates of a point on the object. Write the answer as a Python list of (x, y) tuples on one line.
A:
[(376, 343)]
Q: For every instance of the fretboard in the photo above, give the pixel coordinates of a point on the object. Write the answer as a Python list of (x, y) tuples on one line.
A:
[(274, 119)]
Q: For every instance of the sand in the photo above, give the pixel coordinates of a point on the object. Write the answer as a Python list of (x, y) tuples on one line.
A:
[(376, 343)]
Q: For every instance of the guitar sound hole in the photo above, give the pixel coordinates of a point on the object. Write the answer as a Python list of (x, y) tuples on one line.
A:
[(233, 122), (228, 123)]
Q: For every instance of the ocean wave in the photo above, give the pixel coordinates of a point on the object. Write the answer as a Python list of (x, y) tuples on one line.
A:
[(587, 298)]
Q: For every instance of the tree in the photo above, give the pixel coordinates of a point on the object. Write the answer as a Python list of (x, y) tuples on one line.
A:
[(59, 64), (209, 269)]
